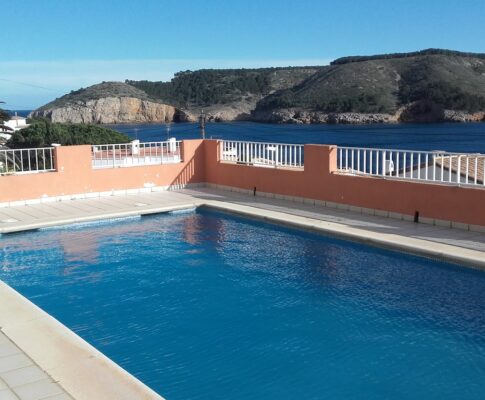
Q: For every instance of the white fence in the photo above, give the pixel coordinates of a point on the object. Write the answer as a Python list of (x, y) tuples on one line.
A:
[(430, 166), (136, 153), (26, 161), (262, 154)]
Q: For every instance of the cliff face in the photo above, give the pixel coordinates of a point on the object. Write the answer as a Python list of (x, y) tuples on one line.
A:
[(111, 110)]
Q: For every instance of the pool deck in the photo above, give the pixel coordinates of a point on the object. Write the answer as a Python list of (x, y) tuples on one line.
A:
[(21, 378), (42, 359)]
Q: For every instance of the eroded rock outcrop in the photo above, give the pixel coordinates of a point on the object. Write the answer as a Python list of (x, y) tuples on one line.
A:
[(113, 110), (292, 116), (463, 116)]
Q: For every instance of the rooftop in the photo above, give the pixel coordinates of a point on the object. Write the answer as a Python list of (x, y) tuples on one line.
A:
[(473, 167)]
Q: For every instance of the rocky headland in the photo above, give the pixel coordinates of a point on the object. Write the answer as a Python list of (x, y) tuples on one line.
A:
[(113, 110)]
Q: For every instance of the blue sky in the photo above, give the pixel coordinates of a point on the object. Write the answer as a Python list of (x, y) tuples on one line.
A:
[(53, 46)]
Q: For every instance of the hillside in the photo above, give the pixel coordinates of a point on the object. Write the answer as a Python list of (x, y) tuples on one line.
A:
[(431, 83), (226, 93), (208, 87), (223, 95), (424, 86)]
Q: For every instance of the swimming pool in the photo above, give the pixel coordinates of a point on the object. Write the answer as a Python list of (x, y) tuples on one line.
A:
[(208, 305)]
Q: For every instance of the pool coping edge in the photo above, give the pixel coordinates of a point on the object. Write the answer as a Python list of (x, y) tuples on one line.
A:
[(79, 368), (421, 247)]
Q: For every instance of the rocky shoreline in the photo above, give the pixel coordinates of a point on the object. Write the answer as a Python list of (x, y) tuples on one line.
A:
[(291, 116), (415, 112), (121, 110)]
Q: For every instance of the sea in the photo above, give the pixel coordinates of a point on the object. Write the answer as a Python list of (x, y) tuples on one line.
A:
[(455, 137)]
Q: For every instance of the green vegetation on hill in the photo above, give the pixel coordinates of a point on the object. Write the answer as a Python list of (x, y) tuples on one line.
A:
[(385, 83), (221, 86), (451, 83), (427, 52), (363, 88), (42, 133)]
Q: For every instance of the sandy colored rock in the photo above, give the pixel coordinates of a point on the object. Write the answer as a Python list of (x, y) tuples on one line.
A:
[(113, 110)]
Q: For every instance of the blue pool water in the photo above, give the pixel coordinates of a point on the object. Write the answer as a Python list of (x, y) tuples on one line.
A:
[(203, 305)]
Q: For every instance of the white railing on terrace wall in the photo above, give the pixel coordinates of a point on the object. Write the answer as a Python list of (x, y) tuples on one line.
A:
[(262, 154), (427, 166), (26, 161), (136, 153)]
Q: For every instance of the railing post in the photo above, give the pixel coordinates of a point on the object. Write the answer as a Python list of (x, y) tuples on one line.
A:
[(458, 170), (384, 163)]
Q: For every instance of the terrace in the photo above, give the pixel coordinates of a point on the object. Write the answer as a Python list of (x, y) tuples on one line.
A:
[(352, 193)]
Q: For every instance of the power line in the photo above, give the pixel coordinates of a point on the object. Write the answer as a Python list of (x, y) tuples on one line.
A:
[(27, 84)]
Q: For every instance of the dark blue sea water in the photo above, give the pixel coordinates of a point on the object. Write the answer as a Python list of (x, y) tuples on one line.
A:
[(20, 113), (204, 305), (456, 137)]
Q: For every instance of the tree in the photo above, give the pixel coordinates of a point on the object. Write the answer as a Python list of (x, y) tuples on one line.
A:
[(4, 116), (42, 133)]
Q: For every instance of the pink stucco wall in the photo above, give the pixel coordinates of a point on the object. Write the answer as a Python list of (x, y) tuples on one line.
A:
[(75, 175), (318, 180)]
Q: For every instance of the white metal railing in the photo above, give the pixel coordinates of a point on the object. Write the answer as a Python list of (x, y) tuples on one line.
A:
[(430, 166), (26, 161), (136, 153), (262, 154)]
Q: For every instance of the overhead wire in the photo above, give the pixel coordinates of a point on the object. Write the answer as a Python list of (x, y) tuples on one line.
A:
[(27, 84)]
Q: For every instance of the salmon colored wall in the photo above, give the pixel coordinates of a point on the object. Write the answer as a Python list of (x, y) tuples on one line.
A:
[(75, 175), (319, 181)]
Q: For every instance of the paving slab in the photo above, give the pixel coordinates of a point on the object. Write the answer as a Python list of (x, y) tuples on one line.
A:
[(21, 378)]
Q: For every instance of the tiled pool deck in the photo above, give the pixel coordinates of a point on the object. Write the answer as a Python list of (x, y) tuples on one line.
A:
[(21, 378)]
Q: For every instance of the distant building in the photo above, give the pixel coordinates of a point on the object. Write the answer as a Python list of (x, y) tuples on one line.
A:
[(15, 123)]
